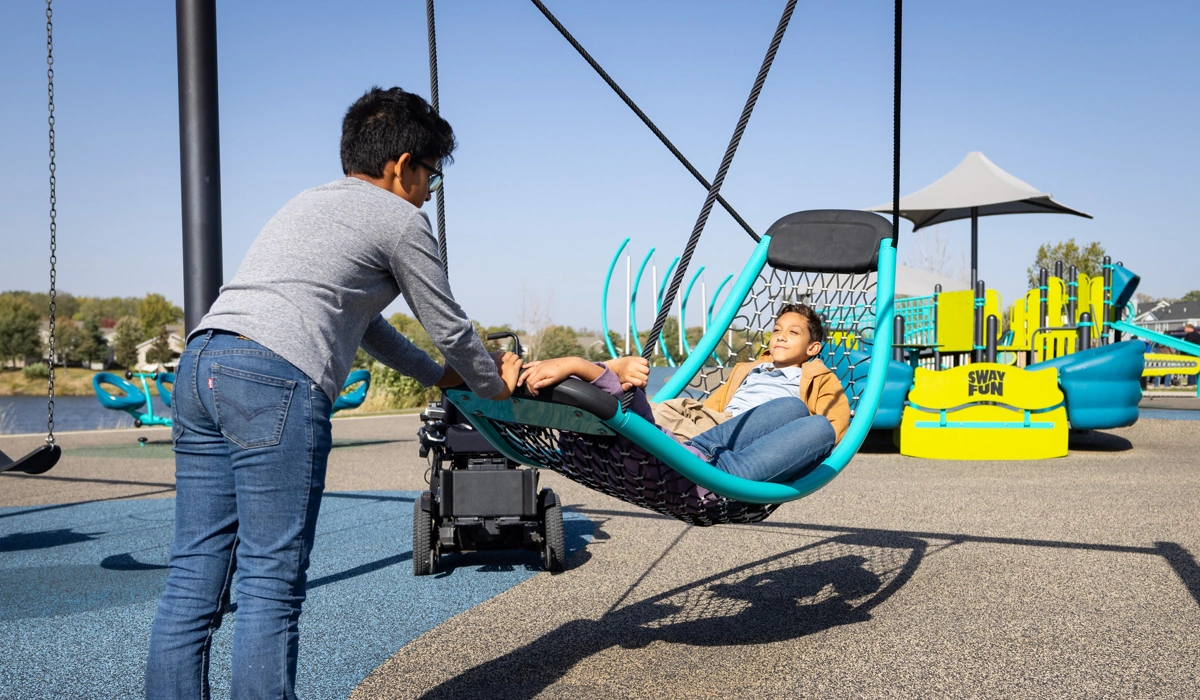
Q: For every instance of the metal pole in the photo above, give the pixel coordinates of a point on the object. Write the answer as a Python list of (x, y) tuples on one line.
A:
[(199, 156), (679, 307), (937, 352), (980, 300), (974, 246), (656, 300), (1107, 311), (1072, 295), (898, 338), (993, 329), (628, 302)]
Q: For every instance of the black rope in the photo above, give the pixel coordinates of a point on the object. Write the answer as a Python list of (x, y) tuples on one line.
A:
[(641, 115), (694, 240), (433, 102), (896, 127)]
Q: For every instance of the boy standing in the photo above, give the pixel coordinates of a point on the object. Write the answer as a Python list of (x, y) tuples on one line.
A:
[(256, 384)]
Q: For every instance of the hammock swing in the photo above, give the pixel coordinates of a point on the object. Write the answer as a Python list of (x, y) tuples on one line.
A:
[(841, 263)]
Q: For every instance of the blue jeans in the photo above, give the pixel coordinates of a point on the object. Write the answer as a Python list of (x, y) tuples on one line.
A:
[(252, 438), (775, 441)]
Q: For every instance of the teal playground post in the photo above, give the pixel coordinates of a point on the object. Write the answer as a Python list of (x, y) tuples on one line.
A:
[(612, 352)]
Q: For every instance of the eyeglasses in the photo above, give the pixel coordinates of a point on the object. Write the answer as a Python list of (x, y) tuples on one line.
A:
[(435, 180)]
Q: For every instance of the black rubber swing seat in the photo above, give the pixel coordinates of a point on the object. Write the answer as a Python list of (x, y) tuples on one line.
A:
[(36, 462)]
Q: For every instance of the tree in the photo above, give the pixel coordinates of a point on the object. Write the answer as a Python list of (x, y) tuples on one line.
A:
[(160, 352), (92, 346), (1193, 295), (154, 312), (929, 250), (534, 319), (67, 338), (1088, 261), (20, 329), (599, 352), (558, 341), (410, 328), (129, 332)]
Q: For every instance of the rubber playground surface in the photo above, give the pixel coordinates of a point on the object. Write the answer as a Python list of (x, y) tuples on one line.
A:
[(1075, 577)]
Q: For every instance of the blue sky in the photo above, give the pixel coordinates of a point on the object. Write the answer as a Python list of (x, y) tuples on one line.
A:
[(1095, 102)]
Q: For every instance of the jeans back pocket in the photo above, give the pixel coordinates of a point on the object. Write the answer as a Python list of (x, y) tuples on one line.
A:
[(251, 407)]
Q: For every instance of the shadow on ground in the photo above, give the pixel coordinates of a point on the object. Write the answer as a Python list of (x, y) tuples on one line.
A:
[(1097, 441), (834, 581)]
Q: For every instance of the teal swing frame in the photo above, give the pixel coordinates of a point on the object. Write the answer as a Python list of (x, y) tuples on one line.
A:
[(529, 411)]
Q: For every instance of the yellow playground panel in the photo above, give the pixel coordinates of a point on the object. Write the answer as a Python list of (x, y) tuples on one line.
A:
[(955, 328), (984, 411), (1024, 317)]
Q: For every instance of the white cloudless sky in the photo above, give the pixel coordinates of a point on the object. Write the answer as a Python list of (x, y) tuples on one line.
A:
[(1095, 102)]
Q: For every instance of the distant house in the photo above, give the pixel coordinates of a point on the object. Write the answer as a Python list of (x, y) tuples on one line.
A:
[(1164, 317), (174, 340)]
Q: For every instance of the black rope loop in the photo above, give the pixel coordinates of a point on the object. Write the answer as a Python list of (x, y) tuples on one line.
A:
[(730, 151), (899, 12)]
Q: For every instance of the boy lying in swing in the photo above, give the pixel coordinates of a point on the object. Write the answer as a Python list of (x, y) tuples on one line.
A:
[(773, 420)]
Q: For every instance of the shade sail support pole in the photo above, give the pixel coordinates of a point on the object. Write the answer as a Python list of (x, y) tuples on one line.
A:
[(974, 246)]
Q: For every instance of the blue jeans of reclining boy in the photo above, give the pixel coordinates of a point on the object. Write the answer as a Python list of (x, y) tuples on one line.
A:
[(775, 441), (252, 438)]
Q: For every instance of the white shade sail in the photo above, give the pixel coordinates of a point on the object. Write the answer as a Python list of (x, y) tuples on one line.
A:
[(976, 186)]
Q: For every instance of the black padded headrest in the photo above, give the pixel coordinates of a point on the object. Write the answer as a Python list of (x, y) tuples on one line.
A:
[(828, 240)]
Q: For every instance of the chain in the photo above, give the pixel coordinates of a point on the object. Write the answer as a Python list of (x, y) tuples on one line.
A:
[(53, 214)]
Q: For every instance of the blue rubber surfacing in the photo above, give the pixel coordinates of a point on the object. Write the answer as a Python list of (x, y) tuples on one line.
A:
[(79, 585)]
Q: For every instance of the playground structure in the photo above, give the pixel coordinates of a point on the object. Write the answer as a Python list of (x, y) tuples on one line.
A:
[(137, 402), (1069, 323), (633, 284), (990, 384)]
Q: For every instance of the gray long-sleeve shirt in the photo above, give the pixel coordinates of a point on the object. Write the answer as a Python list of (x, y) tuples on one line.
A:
[(313, 284)]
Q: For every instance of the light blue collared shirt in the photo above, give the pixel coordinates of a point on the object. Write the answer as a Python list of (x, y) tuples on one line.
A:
[(763, 384)]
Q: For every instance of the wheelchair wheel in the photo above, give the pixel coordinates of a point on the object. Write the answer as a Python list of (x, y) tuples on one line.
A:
[(553, 546), (424, 550)]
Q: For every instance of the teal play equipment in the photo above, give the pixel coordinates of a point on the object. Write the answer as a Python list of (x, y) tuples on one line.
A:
[(165, 392), (356, 394), (1101, 386), (577, 430), (136, 402)]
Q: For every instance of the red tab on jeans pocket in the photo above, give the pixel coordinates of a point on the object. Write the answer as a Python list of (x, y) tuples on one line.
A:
[(210, 382)]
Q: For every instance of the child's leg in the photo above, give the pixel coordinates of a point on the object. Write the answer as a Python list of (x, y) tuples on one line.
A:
[(746, 427), (776, 444)]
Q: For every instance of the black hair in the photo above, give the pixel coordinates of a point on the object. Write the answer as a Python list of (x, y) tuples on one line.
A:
[(383, 124), (815, 328)]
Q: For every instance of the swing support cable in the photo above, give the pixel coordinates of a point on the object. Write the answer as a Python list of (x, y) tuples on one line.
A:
[(433, 102), (714, 189), (642, 115), (46, 456)]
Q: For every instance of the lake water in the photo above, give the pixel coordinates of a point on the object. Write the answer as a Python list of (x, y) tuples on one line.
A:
[(27, 414)]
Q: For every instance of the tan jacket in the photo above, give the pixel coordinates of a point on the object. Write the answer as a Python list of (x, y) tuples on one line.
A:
[(819, 389)]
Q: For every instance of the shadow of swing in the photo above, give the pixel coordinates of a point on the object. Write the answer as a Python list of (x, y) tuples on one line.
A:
[(834, 581)]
